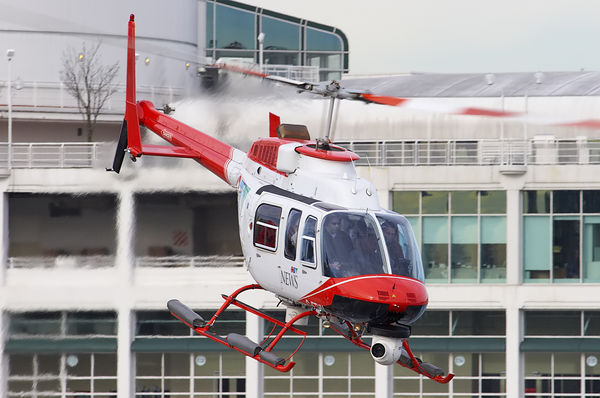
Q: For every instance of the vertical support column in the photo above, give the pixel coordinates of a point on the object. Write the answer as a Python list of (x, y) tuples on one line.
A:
[(125, 258), (384, 381), (125, 263), (255, 371), (3, 357), (514, 273), (4, 238), (515, 385), (125, 362)]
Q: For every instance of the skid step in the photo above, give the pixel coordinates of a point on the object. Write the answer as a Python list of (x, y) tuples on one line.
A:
[(185, 313)]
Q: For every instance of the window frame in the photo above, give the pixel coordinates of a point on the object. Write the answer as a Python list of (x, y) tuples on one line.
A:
[(266, 226)]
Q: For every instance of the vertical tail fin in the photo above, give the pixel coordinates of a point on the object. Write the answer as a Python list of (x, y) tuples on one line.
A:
[(130, 138)]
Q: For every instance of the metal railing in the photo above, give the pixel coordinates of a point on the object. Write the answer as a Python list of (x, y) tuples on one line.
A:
[(53, 96), (304, 73), (374, 153), (55, 154), (475, 152), (97, 261), (102, 261), (190, 261)]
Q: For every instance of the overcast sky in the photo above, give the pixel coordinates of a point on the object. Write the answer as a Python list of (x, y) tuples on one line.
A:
[(394, 36)]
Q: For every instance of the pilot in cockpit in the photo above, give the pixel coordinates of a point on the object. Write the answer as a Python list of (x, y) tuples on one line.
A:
[(337, 247), (400, 265), (367, 255)]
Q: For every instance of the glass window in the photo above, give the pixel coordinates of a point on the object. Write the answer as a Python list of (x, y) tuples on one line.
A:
[(565, 201), (464, 248), (266, 225), (565, 248), (552, 323), (308, 250), (493, 202), (317, 40), (591, 249), (351, 245), (432, 323), (209, 25), (493, 248), (35, 324), (591, 201), (435, 248), (434, 202), (291, 234), (536, 247), (159, 323), (280, 35), (324, 61), (536, 201), (280, 58), (405, 202), (464, 202), (478, 323), (591, 323), (402, 250), (234, 28), (91, 323)]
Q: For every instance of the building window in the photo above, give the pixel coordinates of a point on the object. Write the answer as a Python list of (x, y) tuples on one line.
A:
[(460, 323), (234, 28), (184, 374), (561, 236), (562, 323), (462, 233), (62, 354), (558, 374)]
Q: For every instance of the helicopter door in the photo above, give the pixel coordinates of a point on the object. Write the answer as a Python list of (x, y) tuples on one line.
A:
[(266, 231), (289, 271)]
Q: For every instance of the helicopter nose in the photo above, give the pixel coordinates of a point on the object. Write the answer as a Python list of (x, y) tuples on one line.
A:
[(364, 298)]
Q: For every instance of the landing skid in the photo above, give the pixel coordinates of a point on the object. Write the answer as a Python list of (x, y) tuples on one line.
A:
[(261, 352), (407, 360)]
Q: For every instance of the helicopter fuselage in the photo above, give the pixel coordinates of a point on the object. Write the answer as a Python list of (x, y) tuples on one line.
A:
[(286, 194)]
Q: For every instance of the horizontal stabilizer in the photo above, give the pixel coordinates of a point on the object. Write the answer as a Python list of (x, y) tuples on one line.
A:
[(185, 313), (171, 151)]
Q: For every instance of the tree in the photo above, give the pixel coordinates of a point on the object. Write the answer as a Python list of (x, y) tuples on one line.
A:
[(89, 81)]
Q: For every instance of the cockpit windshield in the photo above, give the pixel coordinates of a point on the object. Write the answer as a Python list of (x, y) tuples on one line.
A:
[(404, 256), (352, 245)]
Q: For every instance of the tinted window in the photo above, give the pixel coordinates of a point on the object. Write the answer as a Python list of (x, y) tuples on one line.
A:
[(291, 234), (266, 225), (307, 251)]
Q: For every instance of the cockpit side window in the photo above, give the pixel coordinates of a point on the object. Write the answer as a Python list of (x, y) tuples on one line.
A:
[(266, 226), (291, 234), (307, 248), (404, 257)]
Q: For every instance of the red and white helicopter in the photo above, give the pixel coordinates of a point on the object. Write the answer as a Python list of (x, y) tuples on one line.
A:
[(312, 231)]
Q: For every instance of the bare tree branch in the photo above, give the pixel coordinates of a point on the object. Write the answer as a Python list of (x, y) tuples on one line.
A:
[(89, 81)]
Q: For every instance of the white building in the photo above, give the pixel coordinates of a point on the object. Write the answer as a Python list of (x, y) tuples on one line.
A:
[(507, 217)]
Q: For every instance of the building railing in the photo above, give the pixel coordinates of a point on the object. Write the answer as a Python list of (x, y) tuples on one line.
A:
[(55, 155), (190, 261), (33, 95), (374, 153), (537, 151), (102, 261), (304, 73), (70, 262)]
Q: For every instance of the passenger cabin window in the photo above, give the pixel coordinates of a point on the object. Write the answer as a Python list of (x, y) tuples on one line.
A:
[(291, 234), (266, 226), (307, 249)]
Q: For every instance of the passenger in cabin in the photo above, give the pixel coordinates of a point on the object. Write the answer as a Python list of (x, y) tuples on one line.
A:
[(400, 265), (291, 235), (366, 255), (337, 248)]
